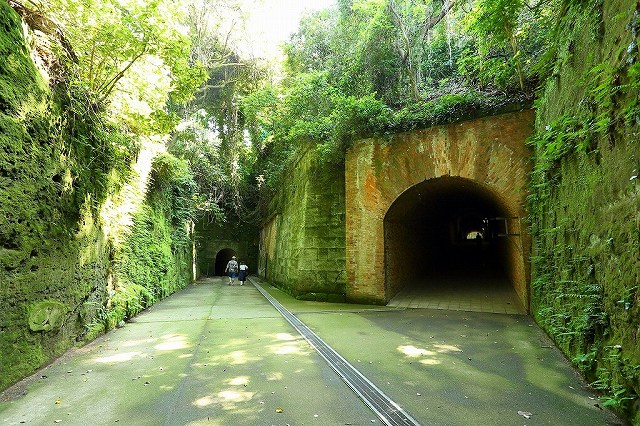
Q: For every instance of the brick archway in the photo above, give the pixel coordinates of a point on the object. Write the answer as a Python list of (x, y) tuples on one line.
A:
[(490, 152)]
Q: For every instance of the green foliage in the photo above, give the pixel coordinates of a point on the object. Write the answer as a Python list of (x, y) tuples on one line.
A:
[(137, 50), (370, 68), (582, 202), (172, 192), (55, 148), (154, 261), (259, 109), (353, 118), (59, 161), (61, 158), (448, 108), (96, 147), (315, 111), (310, 48), (191, 143), (578, 132), (498, 18), (312, 110), (618, 399), (212, 134), (616, 394)]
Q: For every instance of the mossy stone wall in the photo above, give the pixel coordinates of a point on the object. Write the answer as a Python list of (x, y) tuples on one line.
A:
[(235, 237), (302, 244), (69, 249), (585, 198), (50, 261)]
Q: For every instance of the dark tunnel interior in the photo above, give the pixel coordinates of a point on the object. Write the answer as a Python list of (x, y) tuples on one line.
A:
[(445, 230), (222, 258)]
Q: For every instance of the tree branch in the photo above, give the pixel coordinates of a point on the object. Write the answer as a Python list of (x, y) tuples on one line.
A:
[(36, 20), (108, 86), (432, 21)]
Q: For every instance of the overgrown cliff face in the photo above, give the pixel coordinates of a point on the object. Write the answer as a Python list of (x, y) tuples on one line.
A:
[(585, 197), (74, 234)]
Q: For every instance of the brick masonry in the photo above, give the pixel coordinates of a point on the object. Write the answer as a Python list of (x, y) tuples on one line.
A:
[(490, 151)]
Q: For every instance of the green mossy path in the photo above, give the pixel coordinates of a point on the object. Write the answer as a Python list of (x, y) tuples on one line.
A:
[(215, 354)]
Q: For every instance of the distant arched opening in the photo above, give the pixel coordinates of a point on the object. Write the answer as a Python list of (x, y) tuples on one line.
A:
[(222, 258), (448, 234)]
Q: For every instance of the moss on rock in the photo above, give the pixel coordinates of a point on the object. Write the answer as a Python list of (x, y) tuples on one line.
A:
[(303, 245), (585, 200), (47, 315), (60, 162)]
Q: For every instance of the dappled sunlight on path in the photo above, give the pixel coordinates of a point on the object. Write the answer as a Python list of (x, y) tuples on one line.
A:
[(219, 355), (459, 368)]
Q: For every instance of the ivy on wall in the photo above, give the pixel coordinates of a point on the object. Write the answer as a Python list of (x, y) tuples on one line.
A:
[(63, 277), (585, 198)]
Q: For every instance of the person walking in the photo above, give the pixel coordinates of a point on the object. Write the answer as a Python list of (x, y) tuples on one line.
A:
[(232, 269), (244, 271)]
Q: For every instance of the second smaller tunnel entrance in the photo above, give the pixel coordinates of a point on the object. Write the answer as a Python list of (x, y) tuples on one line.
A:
[(222, 258)]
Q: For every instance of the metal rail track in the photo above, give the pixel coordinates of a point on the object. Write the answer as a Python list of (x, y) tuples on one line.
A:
[(385, 408)]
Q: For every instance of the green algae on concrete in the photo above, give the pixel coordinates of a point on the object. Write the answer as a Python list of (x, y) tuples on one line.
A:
[(215, 354), (211, 354)]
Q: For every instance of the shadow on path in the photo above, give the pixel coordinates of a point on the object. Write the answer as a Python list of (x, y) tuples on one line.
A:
[(219, 355)]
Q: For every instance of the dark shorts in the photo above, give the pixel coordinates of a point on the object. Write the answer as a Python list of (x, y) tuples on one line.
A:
[(232, 275)]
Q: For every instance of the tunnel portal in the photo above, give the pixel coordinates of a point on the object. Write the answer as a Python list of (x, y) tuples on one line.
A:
[(447, 234), (415, 203), (222, 258)]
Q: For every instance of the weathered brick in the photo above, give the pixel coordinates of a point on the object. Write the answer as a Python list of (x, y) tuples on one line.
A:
[(489, 151)]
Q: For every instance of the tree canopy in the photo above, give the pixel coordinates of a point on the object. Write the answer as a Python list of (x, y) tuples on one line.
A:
[(371, 67), (361, 68)]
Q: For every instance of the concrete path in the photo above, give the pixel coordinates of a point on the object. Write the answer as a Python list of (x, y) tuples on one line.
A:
[(219, 355), (477, 294)]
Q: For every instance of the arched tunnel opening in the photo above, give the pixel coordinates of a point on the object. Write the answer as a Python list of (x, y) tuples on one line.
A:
[(222, 258), (449, 236)]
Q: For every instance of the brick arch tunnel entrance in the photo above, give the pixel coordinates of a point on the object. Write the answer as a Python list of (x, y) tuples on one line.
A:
[(412, 200), (447, 239)]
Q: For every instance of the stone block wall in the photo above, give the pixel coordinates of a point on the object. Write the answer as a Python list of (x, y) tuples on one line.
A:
[(586, 218), (214, 241), (302, 244)]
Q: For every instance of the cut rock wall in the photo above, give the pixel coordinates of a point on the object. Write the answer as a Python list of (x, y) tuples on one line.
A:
[(302, 243)]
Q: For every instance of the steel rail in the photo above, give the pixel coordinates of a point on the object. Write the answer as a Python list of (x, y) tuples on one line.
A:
[(386, 409)]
